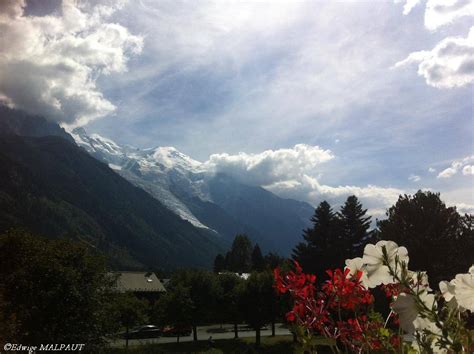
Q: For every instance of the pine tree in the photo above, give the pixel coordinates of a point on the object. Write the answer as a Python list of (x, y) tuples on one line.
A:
[(354, 228), (258, 263), (319, 249)]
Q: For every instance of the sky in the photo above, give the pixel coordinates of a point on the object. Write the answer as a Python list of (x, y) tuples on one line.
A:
[(311, 99)]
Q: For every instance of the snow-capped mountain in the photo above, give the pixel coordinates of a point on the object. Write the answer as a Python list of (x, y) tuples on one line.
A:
[(214, 202), (151, 169)]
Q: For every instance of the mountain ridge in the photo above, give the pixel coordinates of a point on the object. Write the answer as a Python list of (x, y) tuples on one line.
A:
[(184, 185)]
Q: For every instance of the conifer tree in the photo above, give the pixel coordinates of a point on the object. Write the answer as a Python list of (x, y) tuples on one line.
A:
[(354, 228), (258, 263), (317, 252)]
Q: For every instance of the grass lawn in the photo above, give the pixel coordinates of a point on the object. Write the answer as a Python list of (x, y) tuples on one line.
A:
[(275, 345)]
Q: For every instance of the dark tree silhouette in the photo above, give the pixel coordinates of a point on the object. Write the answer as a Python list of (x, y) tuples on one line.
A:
[(334, 237), (257, 301), (320, 247), (239, 257), (203, 292), (354, 228), (54, 291), (228, 309), (175, 308), (258, 262), (439, 240)]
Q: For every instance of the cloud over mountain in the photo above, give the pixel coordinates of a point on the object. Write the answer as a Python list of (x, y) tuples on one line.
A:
[(293, 173), (270, 166), (49, 64)]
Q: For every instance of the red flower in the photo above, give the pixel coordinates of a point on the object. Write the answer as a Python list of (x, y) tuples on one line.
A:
[(342, 297), (345, 292)]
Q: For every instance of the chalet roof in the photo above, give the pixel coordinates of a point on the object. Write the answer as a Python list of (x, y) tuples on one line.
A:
[(138, 282)]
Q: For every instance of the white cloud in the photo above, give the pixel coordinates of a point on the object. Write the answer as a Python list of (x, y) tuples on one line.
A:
[(431, 170), (291, 173), (414, 178), (409, 5), (447, 173), (444, 12), (458, 165), (468, 170), (271, 166), (49, 64), (449, 64), (309, 189), (464, 208)]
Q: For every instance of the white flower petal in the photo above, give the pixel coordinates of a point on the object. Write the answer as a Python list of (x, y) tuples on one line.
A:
[(377, 271), (355, 265), (464, 291), (447, 289)]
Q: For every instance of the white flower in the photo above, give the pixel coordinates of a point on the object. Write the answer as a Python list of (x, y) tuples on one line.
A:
[(447, 289), (356, 265), (410, 320), (464, 290), (377, 270)]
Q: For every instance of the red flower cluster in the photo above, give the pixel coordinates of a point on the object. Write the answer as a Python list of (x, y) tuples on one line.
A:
[(391, 290), (346, 292), (338, 310)]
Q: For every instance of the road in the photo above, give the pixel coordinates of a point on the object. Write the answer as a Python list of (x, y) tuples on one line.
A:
[(204, 332)]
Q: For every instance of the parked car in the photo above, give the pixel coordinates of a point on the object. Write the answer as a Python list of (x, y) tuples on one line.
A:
[(148, 331), (171, 331)]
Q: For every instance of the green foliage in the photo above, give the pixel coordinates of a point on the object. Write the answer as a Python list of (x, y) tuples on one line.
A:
[(439, 239), (54, 291), (128, 310), (174, 308), (273, 260), (228, 310), (203, 292), (239, 259), (257, 300), (243, 258)]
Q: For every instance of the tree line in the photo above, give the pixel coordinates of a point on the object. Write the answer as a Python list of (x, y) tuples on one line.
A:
[(440, 240), (243, 257), (197, 297)]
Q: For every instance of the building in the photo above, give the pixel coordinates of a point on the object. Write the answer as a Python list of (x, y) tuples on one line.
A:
[(142, 284)]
